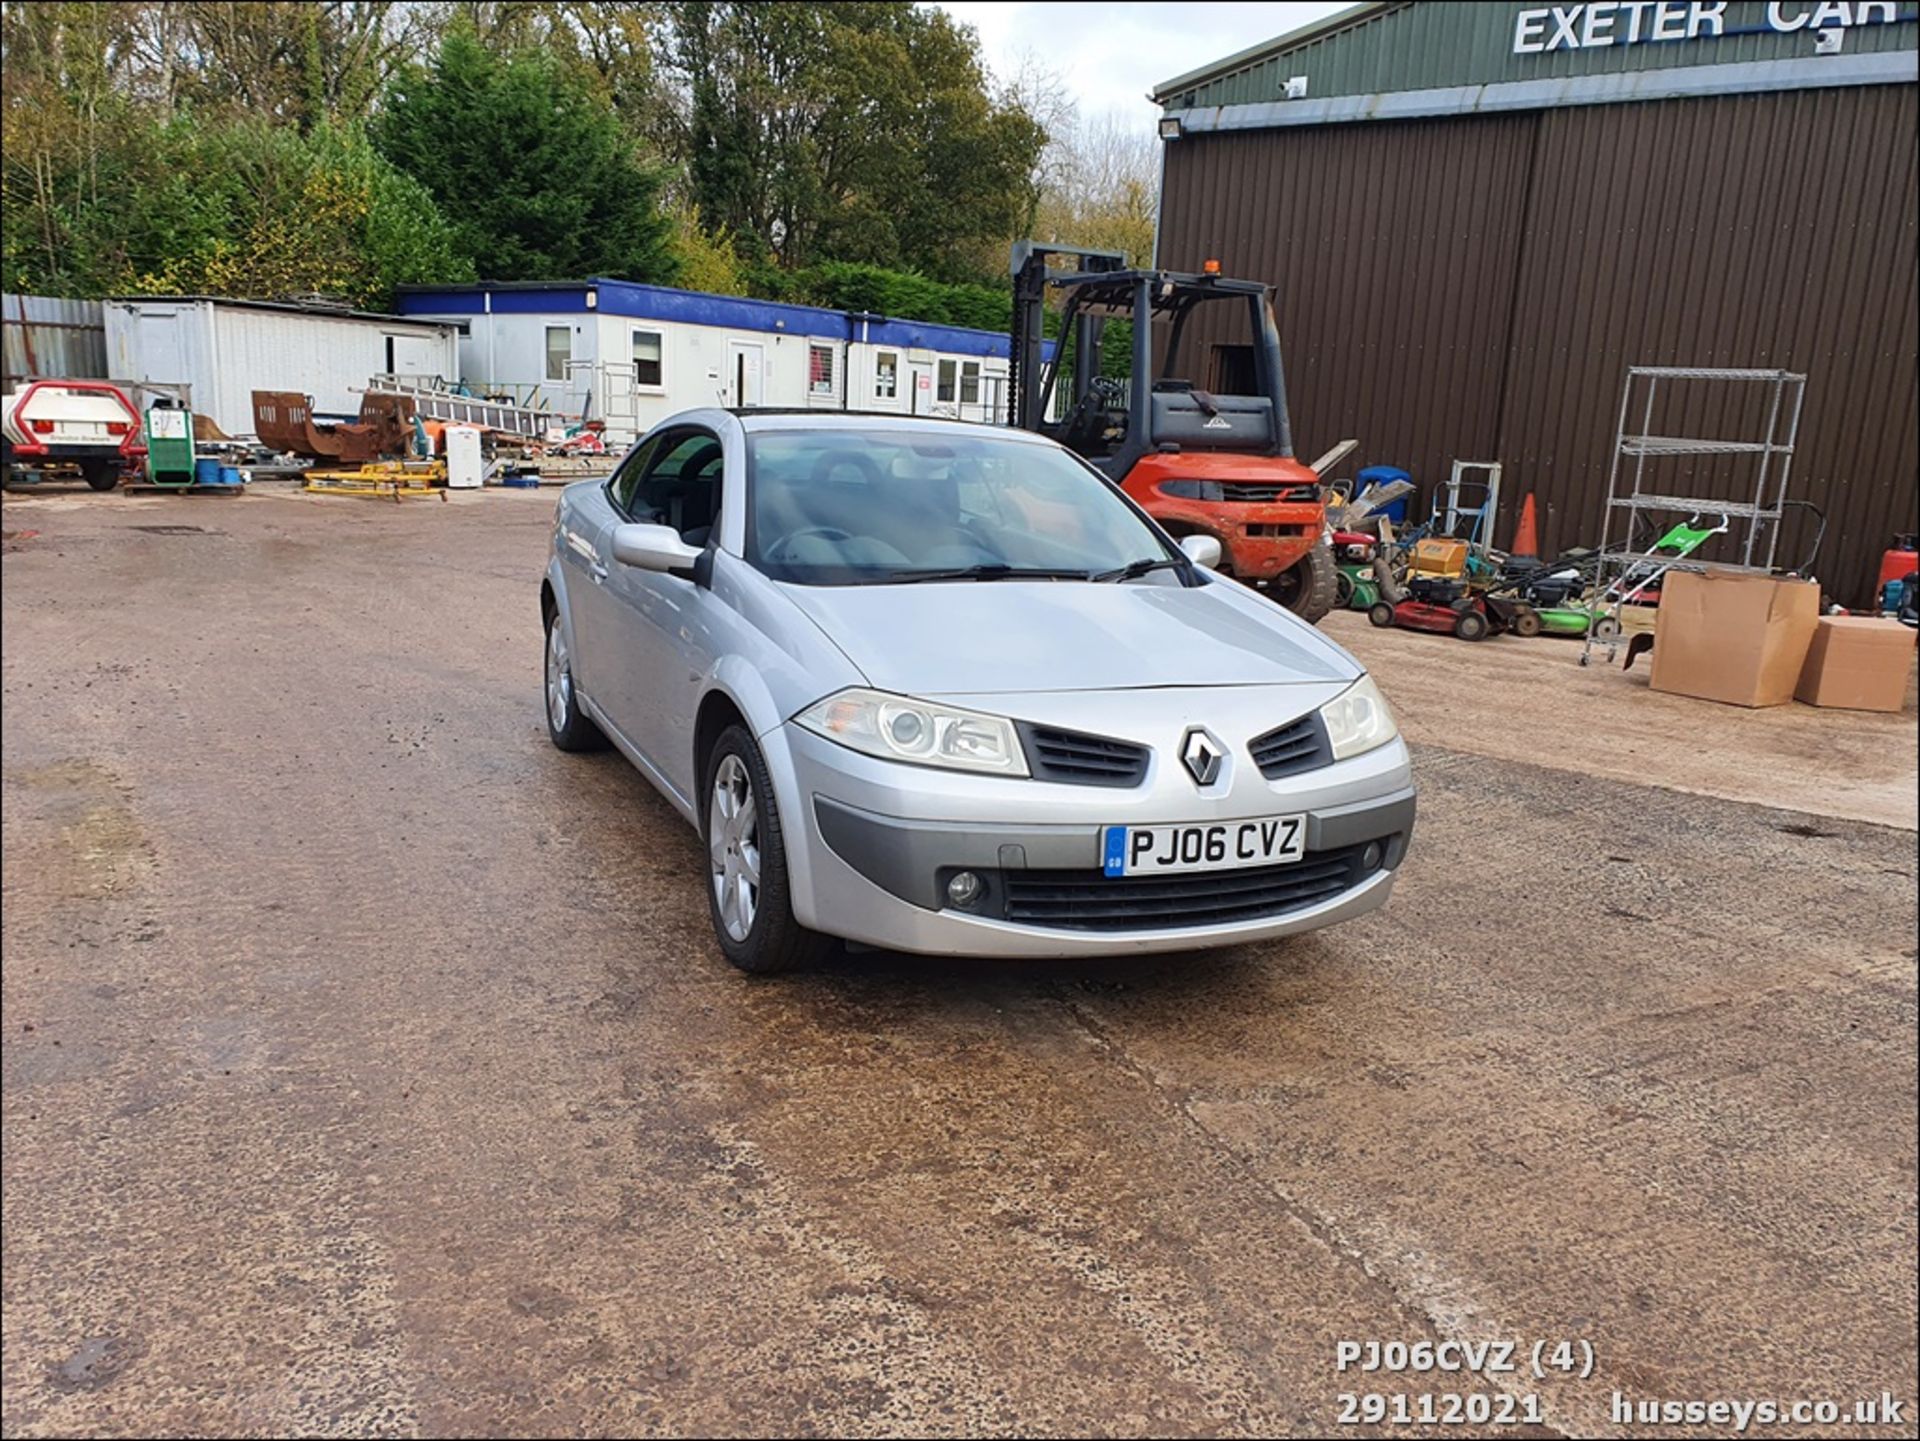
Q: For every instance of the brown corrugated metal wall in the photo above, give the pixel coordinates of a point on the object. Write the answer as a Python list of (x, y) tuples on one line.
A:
[(1476, 288)]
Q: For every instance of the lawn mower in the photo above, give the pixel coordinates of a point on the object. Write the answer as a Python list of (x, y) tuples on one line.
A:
[(1356, 587), (1571, 611), (1448, 607)]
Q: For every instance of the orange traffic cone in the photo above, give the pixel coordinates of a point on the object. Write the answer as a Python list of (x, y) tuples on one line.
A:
[(1526, 535)]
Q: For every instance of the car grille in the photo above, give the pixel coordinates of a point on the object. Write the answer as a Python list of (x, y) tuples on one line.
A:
[(1093, 901), (1297, 746), (1082, 760)]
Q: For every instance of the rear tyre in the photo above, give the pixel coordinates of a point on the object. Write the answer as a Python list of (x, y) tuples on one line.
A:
[(1310, 586), (100, 474), (1343, 591), (747, 890), (1527, 622), (567, 725), (1381, 614), (1471, 625)]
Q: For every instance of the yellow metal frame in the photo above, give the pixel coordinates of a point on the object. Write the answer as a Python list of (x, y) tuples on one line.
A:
[(397, 478)]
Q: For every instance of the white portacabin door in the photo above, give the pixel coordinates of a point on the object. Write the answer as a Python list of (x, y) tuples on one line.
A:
[(746, 369)]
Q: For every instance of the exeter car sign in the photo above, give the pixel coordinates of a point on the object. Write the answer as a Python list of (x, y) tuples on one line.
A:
[(1633, 22)]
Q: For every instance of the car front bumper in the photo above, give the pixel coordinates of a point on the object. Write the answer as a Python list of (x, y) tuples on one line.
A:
[(871, 846)]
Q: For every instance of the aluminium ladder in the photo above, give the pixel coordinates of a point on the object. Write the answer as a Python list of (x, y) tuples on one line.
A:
[(1626, 570), (436, 402)]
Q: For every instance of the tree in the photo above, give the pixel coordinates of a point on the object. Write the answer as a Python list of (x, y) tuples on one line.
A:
[(536, 172), (241, 207), (855, 131), (1101, 186)]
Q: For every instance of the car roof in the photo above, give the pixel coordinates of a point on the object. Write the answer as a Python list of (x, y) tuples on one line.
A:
[(766, 419)]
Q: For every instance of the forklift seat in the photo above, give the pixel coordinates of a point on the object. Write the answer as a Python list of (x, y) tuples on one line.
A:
[(1230, 422)]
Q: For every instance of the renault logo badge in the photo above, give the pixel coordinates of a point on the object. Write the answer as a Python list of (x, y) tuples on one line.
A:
[(1202, 755)]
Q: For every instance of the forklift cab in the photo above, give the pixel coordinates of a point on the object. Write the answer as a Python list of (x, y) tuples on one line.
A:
[(1113, 422)]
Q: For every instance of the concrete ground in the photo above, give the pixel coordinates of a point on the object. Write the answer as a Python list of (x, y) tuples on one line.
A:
[(369, 1067)]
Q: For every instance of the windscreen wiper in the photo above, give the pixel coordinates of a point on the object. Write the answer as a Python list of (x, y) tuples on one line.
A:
[(997, 571), (1135, 568)]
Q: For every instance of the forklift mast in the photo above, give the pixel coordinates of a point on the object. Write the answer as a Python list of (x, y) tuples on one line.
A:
[(1028, 375)]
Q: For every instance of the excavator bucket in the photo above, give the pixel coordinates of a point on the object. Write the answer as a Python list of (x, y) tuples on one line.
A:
[(283, 419)]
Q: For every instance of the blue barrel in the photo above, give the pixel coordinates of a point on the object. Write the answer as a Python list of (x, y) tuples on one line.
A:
[(206, 472), (230, 475), (1385, 475)]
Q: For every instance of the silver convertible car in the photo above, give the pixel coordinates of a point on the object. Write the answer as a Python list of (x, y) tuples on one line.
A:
[(942, 688)]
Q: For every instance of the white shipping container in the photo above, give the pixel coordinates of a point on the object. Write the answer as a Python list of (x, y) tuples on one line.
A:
[(224, 350)]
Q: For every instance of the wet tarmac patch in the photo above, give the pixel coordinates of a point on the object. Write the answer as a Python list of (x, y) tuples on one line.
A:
[(96, 1362)]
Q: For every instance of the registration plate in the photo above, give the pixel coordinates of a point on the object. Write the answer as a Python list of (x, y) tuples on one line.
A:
[(1219, 846)]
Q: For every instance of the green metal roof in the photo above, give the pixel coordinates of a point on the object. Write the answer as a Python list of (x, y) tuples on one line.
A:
[(1378, 49)]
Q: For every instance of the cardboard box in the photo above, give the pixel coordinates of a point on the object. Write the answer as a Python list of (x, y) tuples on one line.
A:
[(1733, 636), (1857, 662)]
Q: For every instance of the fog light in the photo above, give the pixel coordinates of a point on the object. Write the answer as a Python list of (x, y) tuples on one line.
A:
[(1371, 857), (965, 889)]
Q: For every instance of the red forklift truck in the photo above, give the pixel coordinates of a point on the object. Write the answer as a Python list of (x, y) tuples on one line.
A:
[(1198, 462)]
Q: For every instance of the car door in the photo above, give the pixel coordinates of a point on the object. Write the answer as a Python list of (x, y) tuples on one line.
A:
[(588, 515), (659, 624)]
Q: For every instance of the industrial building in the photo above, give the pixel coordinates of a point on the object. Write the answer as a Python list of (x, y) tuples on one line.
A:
[(221, 350), (1478, 216), (631, 355)]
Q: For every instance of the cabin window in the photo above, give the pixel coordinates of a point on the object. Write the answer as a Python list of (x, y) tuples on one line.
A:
[(647, 350), (886, 375), (945, 391), (559, 350), (970, 382), (820, 370)]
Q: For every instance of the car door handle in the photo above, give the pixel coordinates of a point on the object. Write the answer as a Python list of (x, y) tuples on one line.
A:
[(598, 570)]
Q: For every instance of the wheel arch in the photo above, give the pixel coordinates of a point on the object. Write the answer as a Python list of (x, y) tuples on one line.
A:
[(717, 711), (737, 693)]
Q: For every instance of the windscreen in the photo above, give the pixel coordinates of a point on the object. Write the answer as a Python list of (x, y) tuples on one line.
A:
[(853, 507)]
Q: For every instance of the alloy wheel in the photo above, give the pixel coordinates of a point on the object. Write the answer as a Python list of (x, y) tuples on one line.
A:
[(733, 847), (559, 677)]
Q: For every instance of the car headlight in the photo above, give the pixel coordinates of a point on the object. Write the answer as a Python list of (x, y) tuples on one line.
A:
[(899, 728), (1358, 720)]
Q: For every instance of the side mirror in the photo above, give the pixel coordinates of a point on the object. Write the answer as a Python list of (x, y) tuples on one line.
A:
[(654, 547), (1202, 550)]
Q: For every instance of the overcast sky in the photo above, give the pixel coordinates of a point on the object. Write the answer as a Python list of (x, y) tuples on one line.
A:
[(1111, 55)]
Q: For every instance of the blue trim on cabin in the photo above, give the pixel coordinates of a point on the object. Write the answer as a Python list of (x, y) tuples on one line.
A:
[(694, 307)]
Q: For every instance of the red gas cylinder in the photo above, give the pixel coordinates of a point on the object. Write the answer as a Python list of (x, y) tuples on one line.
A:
[(1898, 563)]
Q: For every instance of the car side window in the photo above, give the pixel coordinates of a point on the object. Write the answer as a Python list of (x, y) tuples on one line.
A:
[(626, 480), (680, 485)]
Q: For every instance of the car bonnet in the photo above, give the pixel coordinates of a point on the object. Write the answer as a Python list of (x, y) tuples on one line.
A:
[(1007, 637)]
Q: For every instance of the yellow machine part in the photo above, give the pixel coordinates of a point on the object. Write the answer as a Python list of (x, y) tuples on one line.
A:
[(396, 478), (1437, 559)]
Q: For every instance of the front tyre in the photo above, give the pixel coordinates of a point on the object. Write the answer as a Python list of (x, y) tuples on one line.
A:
[(567, 725), (747, 864), (1310, 585)]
